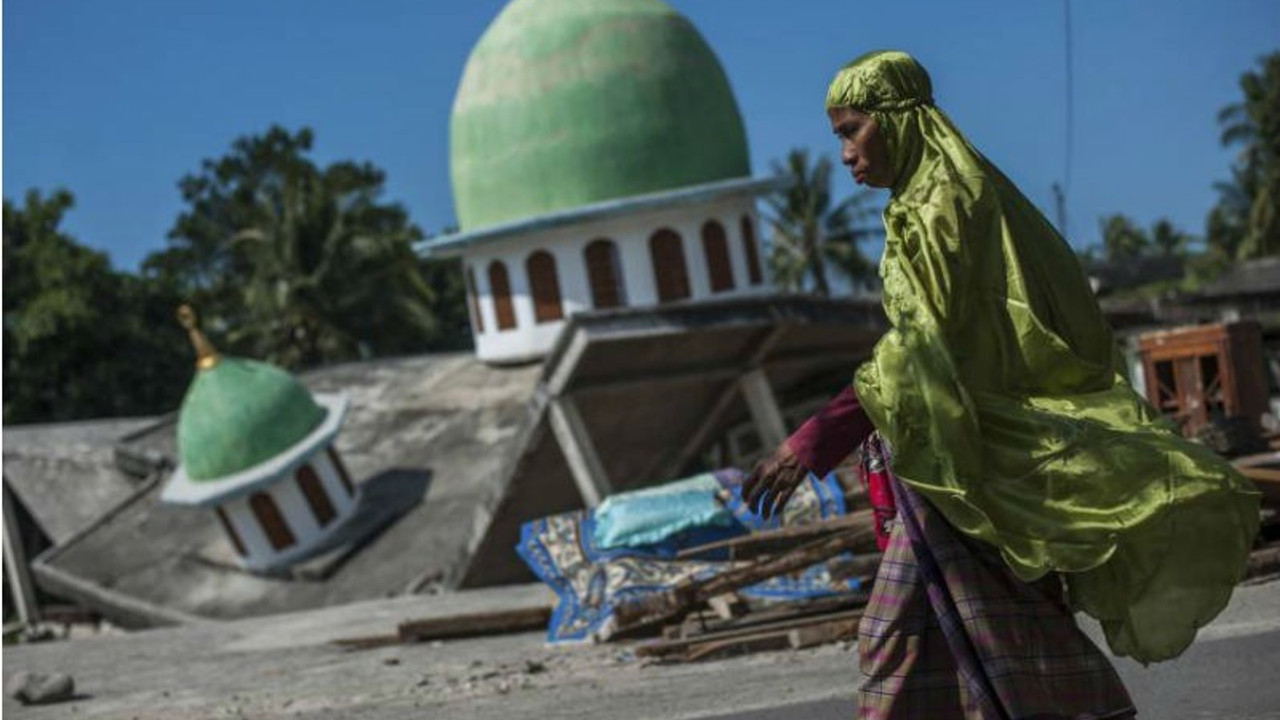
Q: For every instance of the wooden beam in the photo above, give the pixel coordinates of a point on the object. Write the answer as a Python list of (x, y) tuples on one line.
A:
[(764, 408), (652, 609), (1267, 480), (475, 624), (780, 539), (497, 622), (575, 442), (782, 627)]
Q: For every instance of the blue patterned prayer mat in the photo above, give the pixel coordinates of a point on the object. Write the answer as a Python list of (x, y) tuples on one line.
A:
[(591, 581)]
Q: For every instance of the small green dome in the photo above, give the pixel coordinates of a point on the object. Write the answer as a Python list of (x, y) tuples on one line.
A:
[(569, 102), (239, 413)]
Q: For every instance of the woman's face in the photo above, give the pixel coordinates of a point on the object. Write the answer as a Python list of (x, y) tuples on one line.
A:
[(862, 147)]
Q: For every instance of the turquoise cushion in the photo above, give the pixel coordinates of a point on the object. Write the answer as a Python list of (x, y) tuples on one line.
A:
[(645, 517)]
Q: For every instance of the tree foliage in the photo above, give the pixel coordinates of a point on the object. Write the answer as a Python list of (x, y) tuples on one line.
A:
[(81, 340), (1124, 240), (303, 265), (1246, 221), (812, 234)]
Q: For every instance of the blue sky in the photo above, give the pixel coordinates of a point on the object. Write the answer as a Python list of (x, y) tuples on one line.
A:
[(117, 100)]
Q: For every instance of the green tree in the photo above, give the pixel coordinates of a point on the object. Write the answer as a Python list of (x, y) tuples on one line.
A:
[(1121, 239), (1168, 240), (81, 340), (1246, 221), (304, 265), (812, 235)]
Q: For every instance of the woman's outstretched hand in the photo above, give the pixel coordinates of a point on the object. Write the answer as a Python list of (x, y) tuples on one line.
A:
[(770, 485)]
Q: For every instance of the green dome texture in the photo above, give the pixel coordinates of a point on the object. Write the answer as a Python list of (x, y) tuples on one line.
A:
[(240, 413), (569, 102)]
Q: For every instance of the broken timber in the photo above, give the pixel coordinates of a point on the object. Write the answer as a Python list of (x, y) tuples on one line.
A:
[(790, 633), (781, 539), (685, 596), (456, 626)]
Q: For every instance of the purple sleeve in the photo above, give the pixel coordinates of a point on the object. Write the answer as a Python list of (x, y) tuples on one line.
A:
[(831, 434)]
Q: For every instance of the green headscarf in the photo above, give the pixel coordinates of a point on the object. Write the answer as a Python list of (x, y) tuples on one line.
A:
[(1000, 390)]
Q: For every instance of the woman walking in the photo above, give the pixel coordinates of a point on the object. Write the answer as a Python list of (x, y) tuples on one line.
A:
[(1029, 479)]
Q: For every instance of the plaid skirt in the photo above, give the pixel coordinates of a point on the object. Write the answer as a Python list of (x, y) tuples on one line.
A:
[(951, 633)]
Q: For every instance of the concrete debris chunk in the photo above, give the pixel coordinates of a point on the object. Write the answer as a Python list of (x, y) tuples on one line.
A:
[(38, 689)]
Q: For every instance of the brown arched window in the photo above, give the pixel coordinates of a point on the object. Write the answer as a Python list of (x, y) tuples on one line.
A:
[(476, 317), (604, 274), (545, 286), (231, 531), (342, 470), (314, 492), (500, 288), (716, 249), (750, 250), (667, 252), (272, 522)]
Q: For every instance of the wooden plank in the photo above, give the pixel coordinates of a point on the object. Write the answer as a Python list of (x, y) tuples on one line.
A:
[(660, 648), (857, 566), (798, 559), (780, 540), (471, 625), (1267, 480), (679, 599), (1263, 561), (807, 631), (1259, 459), (695, 624), (367, 642), (823, 634), (738, 646), (727, 606)]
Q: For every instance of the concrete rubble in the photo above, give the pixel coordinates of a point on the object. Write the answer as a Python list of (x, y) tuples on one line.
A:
[(286, 666)]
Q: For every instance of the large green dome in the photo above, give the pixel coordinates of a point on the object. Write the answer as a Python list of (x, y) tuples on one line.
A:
[(569, 102), (239, 413)]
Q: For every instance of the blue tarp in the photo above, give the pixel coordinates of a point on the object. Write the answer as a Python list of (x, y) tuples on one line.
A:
[(591, 579)]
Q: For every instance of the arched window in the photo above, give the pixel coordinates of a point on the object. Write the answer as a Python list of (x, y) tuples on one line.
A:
[(752, 253), (667, 252), (272, 522), (342, 470), (231, 531), (604, 274), (716, 249), (500, 289), (476, 317), (545, 287), (314, 492)]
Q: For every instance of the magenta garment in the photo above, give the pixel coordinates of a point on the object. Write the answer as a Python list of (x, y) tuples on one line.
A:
[(831, 434)]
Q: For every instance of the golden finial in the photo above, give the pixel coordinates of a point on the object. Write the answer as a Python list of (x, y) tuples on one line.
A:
[(206, 355)]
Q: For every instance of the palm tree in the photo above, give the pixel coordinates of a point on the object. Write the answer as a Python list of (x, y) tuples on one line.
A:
[(811, 235), (298, 264), (1253, 123), (1122, 239), (1168, 240)]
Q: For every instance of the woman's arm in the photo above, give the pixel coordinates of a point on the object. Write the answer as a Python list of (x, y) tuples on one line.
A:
[(831, 434), (818, 446)]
